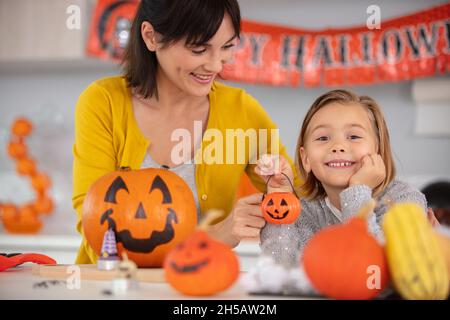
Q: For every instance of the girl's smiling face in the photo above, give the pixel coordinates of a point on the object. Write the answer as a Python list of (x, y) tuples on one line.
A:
[(337, 139)]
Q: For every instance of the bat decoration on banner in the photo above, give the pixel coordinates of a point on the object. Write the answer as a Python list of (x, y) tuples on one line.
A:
[(110, 27), (404, 48)]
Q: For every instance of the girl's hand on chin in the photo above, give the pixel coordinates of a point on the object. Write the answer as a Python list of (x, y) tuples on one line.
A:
[(372, 172)]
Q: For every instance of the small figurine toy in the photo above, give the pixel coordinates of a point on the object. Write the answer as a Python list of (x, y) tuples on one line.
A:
[(108, 260), (126, 276)]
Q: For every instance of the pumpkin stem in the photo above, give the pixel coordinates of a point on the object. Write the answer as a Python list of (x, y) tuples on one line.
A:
[(210, 215), (367, 209)]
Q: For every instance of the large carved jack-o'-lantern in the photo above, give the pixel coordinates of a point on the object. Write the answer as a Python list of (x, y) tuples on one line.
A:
[(280, 207), (201, 265), (149, 210)]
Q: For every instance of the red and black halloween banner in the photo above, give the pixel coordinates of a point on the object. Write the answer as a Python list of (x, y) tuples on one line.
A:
[(110, 26), (417, 45)]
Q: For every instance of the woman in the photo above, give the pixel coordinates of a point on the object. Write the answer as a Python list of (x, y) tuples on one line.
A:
[(175, 51)]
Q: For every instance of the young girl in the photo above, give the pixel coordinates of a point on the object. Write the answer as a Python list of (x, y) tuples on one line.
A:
[(344, 156)]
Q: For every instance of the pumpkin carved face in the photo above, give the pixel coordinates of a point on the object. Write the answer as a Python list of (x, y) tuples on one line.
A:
[(150, 211), (201, 266), (280, 207)]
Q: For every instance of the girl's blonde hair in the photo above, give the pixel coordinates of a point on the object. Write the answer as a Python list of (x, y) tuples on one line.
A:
[(312, 188)]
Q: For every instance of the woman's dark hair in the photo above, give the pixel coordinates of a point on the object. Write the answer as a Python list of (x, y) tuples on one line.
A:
[(195, 20)]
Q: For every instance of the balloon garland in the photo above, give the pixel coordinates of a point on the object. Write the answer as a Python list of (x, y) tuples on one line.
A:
[(25, 218)]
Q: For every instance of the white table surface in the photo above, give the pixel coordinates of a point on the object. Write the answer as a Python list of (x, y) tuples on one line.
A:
[(64, 248), (20, 283)]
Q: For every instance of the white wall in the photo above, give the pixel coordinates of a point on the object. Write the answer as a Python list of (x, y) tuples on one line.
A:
[(48, 94)]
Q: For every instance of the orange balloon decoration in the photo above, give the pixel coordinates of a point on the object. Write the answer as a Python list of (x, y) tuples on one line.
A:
[(25, 219), (44, 204), (17, 149), (26, 167), (41, 181), (21, 127), (21, 220)]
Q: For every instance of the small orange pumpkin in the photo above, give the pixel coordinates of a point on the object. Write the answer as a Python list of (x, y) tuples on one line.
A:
[(21, 127), (345, 261), (201, 265), (149, 210), (280, 207)]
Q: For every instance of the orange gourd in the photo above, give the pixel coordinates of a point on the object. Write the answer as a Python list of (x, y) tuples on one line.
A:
[(149, 210), (345, 261), (201, 265)]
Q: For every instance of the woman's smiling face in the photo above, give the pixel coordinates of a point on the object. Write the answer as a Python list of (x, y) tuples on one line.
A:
[(193, 68), (337, 139)]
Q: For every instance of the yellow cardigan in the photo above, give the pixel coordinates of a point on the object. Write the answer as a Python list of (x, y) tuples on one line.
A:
[(107, 137)]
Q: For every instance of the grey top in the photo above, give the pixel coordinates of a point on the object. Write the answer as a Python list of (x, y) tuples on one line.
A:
[(186, 171), (286, 242)]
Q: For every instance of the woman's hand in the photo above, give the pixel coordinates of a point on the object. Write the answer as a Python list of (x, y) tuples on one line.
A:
[(372, 172), (244, 222), (275, 165)]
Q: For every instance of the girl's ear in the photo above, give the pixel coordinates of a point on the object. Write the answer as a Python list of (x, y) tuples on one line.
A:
[(305, 161), (149, 36)]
